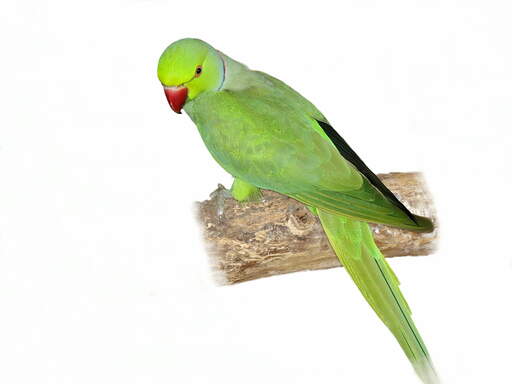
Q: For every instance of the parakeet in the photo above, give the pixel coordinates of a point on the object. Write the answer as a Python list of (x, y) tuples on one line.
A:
[(268, 136)]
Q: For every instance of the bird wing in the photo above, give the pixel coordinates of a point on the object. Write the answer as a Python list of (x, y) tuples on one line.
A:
[(269, 135)]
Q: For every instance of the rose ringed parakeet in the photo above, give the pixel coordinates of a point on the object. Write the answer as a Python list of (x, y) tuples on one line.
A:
[(266, 135)]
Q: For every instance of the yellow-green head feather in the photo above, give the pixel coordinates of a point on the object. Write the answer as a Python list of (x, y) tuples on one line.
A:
[(191, 63)]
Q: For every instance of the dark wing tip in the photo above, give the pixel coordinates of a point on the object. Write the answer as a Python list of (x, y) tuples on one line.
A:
[(424, 224), (349, 154)]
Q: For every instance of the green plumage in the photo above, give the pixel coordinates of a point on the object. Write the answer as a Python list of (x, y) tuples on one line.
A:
[(353, 243), (268, 136)]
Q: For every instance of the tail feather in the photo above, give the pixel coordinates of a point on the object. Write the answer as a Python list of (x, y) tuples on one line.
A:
[(354, 245)]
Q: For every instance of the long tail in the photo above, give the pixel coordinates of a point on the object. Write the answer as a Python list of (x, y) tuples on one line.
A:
[(354, 245)]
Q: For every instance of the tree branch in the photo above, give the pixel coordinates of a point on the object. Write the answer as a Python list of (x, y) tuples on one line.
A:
[(278, 235)]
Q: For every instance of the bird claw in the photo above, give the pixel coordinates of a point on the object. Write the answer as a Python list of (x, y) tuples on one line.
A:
[(220, 195)]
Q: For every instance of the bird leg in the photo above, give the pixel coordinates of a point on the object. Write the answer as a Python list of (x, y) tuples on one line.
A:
[(241, 191), (244, 192)]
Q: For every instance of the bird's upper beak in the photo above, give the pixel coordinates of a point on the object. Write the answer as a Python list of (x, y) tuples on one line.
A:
[(176, 96)]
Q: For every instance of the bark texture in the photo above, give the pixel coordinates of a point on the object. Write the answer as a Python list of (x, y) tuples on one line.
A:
[(278, 235)]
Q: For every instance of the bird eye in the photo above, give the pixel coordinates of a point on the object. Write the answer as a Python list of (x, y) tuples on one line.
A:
[(199, 69)]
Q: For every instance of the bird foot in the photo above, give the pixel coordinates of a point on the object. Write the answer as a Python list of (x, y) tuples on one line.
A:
[(219, 196)]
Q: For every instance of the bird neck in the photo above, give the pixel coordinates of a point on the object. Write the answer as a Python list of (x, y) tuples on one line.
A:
[(237, 76)]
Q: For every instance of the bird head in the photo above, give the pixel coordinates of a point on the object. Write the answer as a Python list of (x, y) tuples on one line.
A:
[(187, 68)]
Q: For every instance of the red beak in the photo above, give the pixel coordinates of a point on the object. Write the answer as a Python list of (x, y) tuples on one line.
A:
[(176, 96)]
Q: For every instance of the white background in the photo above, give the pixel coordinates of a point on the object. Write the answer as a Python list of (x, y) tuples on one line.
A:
[(103, 278)]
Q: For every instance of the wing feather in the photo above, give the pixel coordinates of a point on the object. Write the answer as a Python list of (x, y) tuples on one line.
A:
[(272, 137)]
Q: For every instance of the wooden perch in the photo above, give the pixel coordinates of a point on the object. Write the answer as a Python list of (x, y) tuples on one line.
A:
[(277, 235)]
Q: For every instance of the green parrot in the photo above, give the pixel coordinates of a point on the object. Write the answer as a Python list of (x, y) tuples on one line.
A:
[(268, 136)]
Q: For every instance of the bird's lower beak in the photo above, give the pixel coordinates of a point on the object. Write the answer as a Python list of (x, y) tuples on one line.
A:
[(176, 96)]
